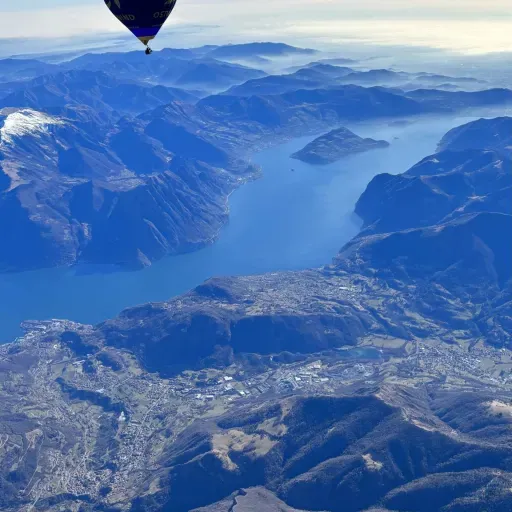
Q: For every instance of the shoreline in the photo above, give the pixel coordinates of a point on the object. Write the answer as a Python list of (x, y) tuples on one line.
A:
[(60, 293)]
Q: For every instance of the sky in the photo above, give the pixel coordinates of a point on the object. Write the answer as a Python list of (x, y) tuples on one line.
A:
[(463, 26)]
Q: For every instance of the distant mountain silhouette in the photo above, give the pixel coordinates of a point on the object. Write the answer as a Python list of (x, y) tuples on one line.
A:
[(322, 75), (24, 69), (312, 77), (94, 89), (215, 74), (461, 99), (260, 49), (168, 68)]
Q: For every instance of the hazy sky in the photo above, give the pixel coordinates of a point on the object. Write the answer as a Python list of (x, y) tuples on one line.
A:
[(469, 26)]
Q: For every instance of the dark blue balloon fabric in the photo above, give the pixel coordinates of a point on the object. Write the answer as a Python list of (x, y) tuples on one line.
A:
[(143, 17)]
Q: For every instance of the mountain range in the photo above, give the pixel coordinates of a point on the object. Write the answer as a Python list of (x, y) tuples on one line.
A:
[(186, 71), (377, 383), (83, 193), (380, 382), (101, 163), (324, 74), (97, 90)]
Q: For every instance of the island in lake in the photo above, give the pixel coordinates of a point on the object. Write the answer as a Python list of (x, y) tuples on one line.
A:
[(334, 145)]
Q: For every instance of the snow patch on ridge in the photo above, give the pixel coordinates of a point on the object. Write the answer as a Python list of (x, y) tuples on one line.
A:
[(25, 122)]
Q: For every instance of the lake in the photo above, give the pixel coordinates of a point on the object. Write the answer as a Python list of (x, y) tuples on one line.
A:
[(287, 220)]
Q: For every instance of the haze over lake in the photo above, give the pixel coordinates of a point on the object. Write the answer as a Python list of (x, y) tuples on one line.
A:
[(287, 220)]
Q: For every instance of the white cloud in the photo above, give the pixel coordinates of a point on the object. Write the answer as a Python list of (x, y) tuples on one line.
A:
[(461, 25), (57, 22), (465, 36)]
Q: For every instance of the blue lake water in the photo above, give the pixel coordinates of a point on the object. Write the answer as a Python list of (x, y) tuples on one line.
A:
[(287, 220)]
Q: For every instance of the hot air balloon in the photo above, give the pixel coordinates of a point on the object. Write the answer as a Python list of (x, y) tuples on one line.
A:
[(144, 18)]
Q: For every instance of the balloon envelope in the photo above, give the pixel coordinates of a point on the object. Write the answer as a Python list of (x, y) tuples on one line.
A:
[(143, 17)]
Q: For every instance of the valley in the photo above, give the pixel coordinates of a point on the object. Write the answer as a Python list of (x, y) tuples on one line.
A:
[(127, 161), (256, 239), (307, 359)]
